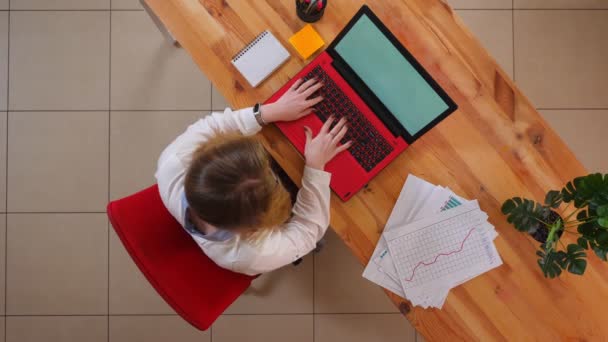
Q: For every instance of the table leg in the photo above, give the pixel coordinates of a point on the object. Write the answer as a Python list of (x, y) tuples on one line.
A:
[(159, 24)]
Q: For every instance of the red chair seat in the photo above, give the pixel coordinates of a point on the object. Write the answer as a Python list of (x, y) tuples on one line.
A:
[(191, 283)]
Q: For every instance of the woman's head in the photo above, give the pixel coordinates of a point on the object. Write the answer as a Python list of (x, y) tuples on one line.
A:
[(230, 185)]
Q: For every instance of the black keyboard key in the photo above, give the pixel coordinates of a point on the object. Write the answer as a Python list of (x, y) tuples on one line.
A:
[(369, 147)]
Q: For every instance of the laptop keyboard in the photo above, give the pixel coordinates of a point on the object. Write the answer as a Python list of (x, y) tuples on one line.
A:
[(369, 146)]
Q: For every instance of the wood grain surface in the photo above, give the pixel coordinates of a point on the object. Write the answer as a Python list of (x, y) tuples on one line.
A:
[(494, 147)]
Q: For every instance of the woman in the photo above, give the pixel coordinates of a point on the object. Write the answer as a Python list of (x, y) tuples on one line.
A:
[(216, 180)]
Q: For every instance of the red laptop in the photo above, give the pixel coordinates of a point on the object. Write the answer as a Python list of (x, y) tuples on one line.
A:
[(387, 97)]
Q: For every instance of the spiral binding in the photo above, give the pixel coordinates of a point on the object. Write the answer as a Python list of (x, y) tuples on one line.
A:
[(249, 46)]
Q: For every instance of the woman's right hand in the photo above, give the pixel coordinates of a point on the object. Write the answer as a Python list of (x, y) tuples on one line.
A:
[(325, 146)]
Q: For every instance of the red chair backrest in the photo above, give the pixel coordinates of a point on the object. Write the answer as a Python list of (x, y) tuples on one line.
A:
[(191, 283)]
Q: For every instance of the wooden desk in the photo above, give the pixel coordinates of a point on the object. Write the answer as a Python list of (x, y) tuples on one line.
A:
[(495, 146)]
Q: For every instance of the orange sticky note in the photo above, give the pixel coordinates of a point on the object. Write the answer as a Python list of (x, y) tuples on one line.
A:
[(306, 41)]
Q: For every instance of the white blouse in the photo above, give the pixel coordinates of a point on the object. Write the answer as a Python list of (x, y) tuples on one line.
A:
[(296, 238)]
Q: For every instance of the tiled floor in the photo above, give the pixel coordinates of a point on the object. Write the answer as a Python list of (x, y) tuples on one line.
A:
[(88, 99)]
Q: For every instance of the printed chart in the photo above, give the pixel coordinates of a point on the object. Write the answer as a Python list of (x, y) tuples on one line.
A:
[(439, 250)]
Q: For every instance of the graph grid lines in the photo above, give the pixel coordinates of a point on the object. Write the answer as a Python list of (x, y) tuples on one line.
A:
[(439, 250)]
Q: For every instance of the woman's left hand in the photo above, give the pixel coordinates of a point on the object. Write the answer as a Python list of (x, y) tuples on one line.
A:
[(294, 104)]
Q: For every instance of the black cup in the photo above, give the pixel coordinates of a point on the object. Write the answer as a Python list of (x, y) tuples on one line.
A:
[(311, 17)]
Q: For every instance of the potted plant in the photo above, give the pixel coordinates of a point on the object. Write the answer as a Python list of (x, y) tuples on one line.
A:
[(585, 214)]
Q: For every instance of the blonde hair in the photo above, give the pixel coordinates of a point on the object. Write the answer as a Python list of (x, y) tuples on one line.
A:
[(230, 184)]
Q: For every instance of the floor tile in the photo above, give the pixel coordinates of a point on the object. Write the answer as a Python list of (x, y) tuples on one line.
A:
[(219, 102), (481, 4), (69, 148), (154, 329), (59, 60), (339, 286), (126, 4), (4, 4), (584, 131), (57, 329), (2, 328), (133, 161), (57, 264), (560, 58), (3, 59), (494, 29), (59, 4), (263, 328), (363, 328), (3, 133), (558, 4), (2, 264), (130, 292), (287, 290), (152, 74)]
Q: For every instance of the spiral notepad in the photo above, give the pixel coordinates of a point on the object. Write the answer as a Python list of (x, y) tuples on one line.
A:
[(260, 58)]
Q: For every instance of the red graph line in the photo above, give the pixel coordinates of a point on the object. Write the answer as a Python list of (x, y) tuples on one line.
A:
[(440, 254)]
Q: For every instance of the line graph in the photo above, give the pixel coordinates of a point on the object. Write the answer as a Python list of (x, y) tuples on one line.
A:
[(422, 263)]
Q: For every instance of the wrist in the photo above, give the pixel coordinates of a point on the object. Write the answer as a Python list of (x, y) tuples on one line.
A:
[(315, 165), (269, 112)]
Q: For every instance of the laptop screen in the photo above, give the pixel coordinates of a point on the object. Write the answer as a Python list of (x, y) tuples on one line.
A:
[(390, 76)]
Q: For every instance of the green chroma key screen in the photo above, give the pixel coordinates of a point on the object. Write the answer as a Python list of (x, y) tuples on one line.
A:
[(390, 76)]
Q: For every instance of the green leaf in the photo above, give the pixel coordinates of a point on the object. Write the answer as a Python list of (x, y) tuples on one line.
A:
[(602, 211), (551, 262), (602, 253), (577, 266), (590, 189), (552, 236), (574, 248), (602, 238), (568, 192), (589, 230), (582, 215), (575, 259), (603, 221), (553, 198), (510, 204), (583, 242), (524, 214)]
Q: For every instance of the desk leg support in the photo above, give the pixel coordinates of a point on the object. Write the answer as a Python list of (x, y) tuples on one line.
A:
[(159, 24)]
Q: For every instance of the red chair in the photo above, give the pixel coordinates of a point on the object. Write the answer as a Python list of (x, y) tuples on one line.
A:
[(193, 285)]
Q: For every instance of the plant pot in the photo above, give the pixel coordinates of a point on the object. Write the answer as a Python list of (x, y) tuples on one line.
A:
[(542, 232), (310, 17)]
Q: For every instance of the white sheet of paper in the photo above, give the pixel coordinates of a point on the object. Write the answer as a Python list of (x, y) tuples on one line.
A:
[(419, 200), (412, 188)]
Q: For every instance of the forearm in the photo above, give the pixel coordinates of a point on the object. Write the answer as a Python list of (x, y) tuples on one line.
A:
[(311, 210)]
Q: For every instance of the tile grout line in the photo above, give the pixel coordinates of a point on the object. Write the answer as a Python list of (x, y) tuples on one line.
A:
[(541, 108), (8, 52), (72, 10), (176, 315), (109, 161), (230, 314), (561, 9), (513, 37), (106, 110), (530, 9), (53, 212)]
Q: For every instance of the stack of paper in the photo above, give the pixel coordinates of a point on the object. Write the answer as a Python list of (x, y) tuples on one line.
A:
[(433, 241)]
